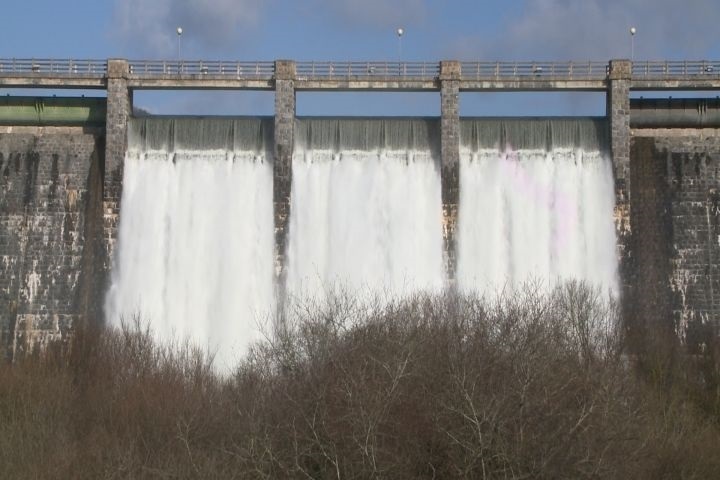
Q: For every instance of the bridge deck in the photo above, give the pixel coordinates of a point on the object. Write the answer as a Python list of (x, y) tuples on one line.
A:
[(362, 76)]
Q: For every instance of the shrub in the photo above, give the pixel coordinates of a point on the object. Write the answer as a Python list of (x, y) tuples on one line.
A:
[(523, 385)]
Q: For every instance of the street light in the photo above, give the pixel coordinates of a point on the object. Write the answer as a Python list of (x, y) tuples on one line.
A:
[(400, 33), (179, 34), (633, 31)]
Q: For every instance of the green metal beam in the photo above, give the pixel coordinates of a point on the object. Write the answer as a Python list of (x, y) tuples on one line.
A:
[(46, 111)]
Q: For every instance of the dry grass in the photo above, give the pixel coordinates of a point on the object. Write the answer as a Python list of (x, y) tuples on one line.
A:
[(523, 386)]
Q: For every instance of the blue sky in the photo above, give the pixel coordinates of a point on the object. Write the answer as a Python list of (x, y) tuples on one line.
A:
[(363, 30)]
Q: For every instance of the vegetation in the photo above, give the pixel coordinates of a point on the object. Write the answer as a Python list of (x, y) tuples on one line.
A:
[(528, 385)]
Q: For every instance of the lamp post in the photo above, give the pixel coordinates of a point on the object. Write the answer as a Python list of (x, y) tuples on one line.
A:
[(400, 32), (179, 34), (633, 31)]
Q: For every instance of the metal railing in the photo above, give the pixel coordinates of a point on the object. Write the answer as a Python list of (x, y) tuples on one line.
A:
[(94, 68), (659, 69), (367, 70), (565, 70), (250, 70), (589, 70)]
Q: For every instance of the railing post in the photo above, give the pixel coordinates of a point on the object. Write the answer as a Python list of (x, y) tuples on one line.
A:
[(450, 72), (119, 109), (285, 74)]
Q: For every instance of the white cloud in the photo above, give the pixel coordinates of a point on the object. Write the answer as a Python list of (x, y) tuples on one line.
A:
[(378, 13), (599, 29), (148, 26)]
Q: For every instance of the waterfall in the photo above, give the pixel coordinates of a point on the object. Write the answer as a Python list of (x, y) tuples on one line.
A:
[(195, 247), (366, 208), (195, 253), (537, 199)]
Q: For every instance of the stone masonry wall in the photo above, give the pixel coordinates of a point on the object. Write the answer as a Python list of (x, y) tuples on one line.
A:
[(647, 265), (618, 113), (450, 162), (282, 165), (47, 179), (676, 229), (119, 108)]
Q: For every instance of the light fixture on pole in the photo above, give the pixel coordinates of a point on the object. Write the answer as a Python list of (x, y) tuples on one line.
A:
[(179, 34), (633, 31), (400, 33)]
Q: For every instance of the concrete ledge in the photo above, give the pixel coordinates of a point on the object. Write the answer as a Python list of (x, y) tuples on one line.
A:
[(52, 130), (533, 85), (58, 81), (376, 85), (192, 82), (697, 82), (676, 132)]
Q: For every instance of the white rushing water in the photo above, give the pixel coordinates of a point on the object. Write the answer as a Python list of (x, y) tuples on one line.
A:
[(195, 248), (536, 216), (365, 222), (195, 253)]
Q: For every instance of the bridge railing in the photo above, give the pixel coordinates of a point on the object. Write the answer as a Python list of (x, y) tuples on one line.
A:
[(589, 70), (251, 70), (566, 70), (343, 70), (661, 69), (94, 68)]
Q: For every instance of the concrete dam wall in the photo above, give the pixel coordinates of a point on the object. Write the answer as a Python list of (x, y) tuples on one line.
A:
[(52, 222), (205, 225), (676, 230), (50, 213)]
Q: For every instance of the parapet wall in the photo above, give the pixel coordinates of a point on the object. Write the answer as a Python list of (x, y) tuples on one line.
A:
[(49, 177)]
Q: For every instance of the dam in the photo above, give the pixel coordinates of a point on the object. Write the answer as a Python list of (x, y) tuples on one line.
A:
[(205, 225)]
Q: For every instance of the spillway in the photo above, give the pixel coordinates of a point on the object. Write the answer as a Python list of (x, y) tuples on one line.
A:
[(195, 247), (366, 208), (195, 255), (536, 204)]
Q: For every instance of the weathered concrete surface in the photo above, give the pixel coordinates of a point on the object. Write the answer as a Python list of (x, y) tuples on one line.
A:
[(282, 165), (375, 85), (197, 81), (49, 223), (450, 162), (618, 113), (532, 84), (676, 230), (41, 80), (646, 266), (119, 108), (691, 82)]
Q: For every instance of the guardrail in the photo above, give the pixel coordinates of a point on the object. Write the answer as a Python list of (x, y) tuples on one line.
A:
[(340, 70), (659, 69), (94, 68), (362, 70), (566, 70), (252, 70)]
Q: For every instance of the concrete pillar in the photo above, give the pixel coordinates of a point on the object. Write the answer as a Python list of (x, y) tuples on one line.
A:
[(119, 108), (618, 111), (618, 114), (450, 161), (282, 164)]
